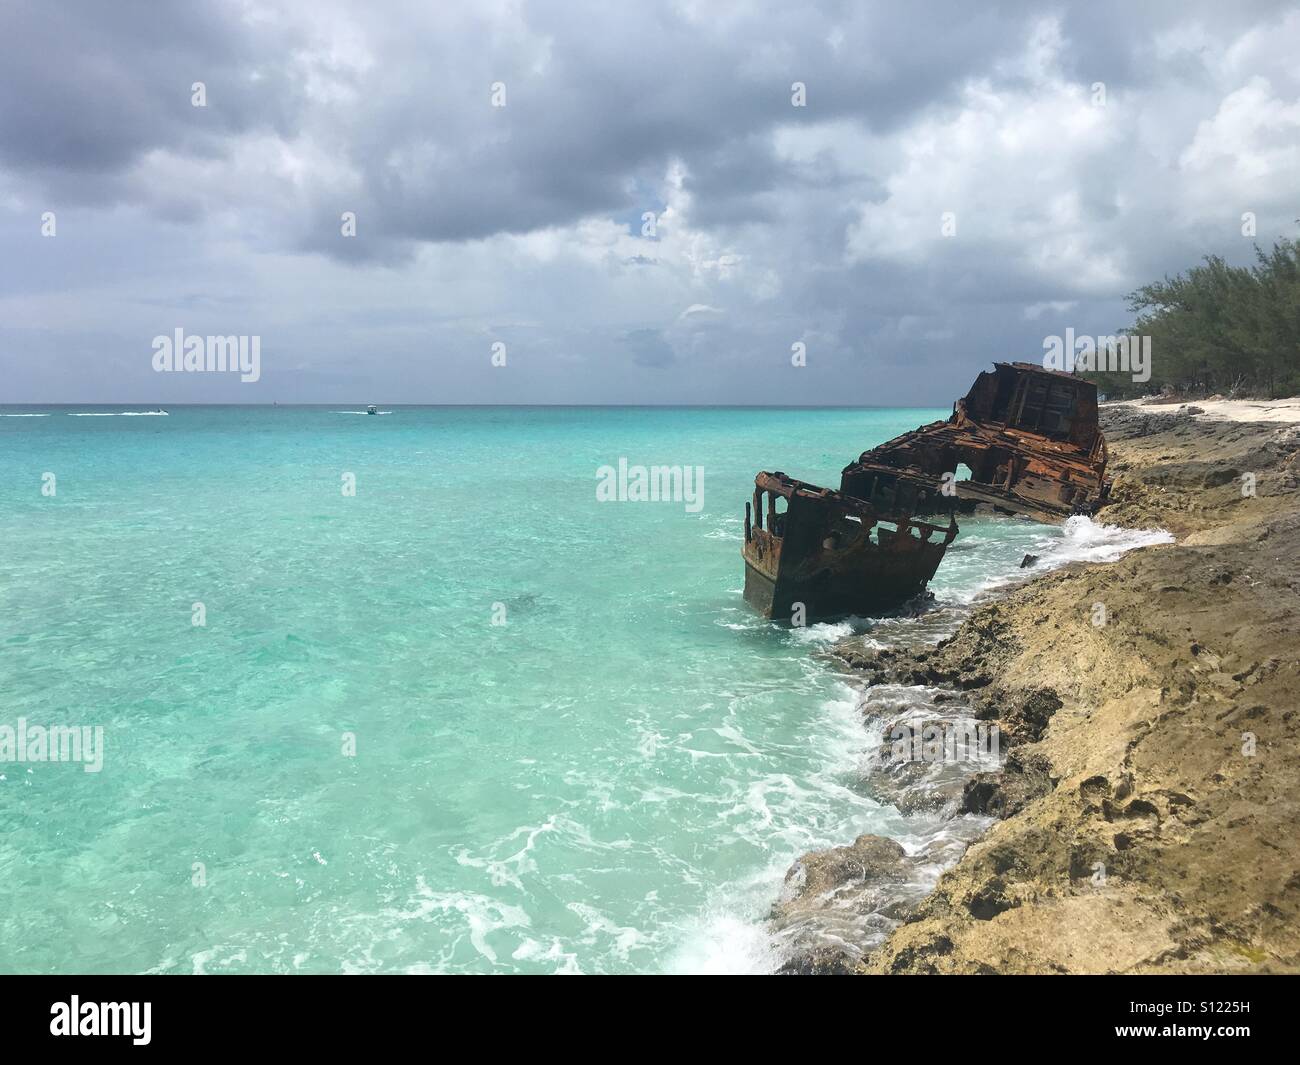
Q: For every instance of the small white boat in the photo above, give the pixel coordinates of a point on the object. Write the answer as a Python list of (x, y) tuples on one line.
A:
[(372, 409)]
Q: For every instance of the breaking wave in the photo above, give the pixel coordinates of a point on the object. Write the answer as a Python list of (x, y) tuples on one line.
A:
[(1085, 540), (1080, 539)]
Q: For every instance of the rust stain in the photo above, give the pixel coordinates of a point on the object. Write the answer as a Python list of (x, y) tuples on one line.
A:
[(1030, 441)]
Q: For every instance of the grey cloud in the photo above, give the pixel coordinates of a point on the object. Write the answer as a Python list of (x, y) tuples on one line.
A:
[(469, 215), (91, 87), (650, 348), (620, 92)]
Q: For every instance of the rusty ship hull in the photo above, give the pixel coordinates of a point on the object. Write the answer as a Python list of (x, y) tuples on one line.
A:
[(1029, 442), (1028, 436), (827, 555)]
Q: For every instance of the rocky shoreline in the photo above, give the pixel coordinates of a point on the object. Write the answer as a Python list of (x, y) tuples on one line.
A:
[(1148, 710)]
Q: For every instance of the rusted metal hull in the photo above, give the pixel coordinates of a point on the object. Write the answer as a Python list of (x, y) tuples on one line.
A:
[(827, 555), (1029, 442), (1028, 437)]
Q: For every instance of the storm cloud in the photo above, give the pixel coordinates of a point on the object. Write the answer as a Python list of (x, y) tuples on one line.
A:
[(649, 217)]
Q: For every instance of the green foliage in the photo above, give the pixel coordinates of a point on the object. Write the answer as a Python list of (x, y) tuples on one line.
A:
[(1220, 328)]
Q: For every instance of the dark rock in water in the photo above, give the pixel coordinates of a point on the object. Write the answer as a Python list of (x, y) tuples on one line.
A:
[(918, 766), (868, 858), (1195, 410), (918, 787), (820, 961), (842, 896), (1028, 561)]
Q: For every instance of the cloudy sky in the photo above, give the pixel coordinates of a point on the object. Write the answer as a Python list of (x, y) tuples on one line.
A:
[(1076, 150)]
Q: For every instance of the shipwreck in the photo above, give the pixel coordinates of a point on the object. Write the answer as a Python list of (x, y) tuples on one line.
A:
[(1022, 441)]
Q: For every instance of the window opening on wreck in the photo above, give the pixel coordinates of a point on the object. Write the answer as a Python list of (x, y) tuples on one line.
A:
[(779, 507), (963, 472)]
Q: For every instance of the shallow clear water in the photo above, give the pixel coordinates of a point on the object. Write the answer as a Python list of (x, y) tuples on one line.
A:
[(613, 780)]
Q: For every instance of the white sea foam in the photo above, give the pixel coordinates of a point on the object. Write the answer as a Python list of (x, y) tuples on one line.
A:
[(24, 415), (1080, 539), (725, 943), (118, 414), (621, 939), (511, 869), (783, 817), (825, 633), (1088, 541), (482, 915), (566, 964)]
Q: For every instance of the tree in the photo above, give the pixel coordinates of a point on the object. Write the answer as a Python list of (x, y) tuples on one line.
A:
[(1220, 328)]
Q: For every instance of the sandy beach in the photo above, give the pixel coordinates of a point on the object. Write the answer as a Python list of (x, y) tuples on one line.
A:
[(1233, 410)]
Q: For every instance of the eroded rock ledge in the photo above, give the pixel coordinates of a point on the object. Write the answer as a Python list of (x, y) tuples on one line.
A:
[(1146, 810)]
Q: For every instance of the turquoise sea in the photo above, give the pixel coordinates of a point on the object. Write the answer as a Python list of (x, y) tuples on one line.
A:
[(613, 780)]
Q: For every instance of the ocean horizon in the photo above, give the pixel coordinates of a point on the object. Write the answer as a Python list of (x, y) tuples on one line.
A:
[(128, 407)]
